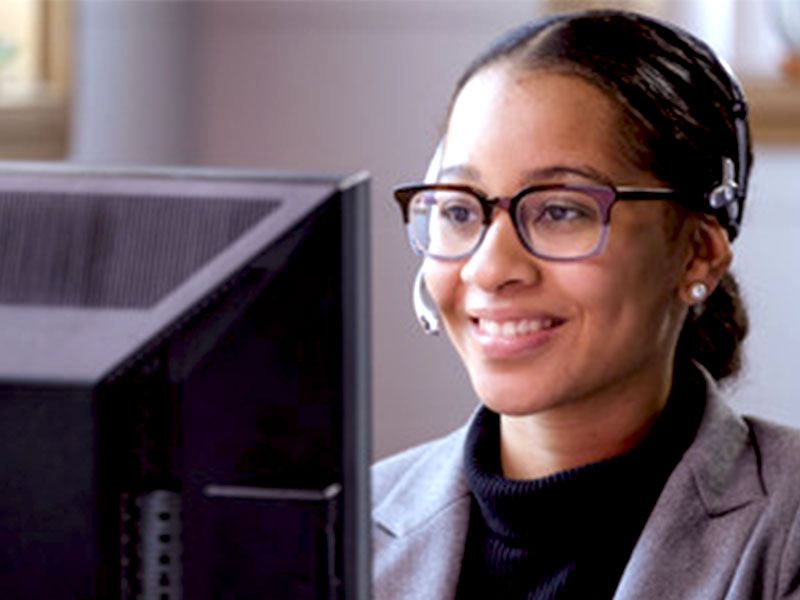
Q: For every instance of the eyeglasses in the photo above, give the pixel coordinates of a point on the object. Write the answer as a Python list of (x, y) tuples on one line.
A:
[(555, 222)]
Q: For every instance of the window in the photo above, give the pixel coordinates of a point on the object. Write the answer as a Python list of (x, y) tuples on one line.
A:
[(35, 39)]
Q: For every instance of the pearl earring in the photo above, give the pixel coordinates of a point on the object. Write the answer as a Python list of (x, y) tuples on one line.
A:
[(698, 291)]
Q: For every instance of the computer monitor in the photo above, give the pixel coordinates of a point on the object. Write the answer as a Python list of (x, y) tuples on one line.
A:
[(184, 384)]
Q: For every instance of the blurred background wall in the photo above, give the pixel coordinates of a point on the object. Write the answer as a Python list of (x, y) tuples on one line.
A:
[(342, 86)]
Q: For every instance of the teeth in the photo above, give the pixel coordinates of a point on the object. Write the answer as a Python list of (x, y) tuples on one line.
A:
[(512, 328)]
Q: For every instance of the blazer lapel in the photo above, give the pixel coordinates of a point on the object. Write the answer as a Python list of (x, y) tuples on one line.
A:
[(690, 544), (422, 530)]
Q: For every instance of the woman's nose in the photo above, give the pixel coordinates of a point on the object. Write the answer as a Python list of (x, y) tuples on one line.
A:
[(501, 260)]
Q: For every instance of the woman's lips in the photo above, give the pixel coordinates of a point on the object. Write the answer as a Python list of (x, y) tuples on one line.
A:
[(510, 338)]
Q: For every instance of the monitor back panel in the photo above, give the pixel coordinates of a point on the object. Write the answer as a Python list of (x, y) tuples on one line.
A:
[(175, 391)]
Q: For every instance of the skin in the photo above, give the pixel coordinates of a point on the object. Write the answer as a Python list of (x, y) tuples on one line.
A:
[(590, 387)]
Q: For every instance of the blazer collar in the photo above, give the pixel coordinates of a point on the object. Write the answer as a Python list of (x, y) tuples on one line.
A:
[(706, 507), (722, 460)]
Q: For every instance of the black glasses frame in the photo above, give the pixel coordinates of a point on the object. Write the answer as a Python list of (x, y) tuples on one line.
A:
[(605, 196)]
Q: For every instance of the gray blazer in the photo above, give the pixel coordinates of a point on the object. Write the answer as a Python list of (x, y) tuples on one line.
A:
[(727, 524)]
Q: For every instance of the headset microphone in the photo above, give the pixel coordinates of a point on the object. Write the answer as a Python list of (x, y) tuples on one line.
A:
[(423, 307)]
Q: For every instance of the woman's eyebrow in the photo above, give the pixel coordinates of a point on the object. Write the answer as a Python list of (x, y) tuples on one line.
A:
[(461, 171), (538, 175), (559, 171)]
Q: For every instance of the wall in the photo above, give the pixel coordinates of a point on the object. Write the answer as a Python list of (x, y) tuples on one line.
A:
[(132, 82), (341, 86), (766, 259)]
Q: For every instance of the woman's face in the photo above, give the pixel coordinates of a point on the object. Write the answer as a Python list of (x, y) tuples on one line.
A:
[(537, 335)]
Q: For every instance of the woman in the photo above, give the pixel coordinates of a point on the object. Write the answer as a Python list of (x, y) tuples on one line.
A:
[(577, 239)]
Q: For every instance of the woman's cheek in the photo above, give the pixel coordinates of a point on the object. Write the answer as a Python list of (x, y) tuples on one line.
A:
[(443, 280)]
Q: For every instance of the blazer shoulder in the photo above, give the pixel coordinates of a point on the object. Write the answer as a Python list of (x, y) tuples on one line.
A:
[(779, 456), (778, 448)]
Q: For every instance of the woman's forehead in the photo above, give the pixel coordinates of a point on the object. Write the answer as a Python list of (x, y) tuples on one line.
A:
[(534, 121)]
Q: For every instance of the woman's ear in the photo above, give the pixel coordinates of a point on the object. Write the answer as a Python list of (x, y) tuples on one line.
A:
[(708, 258)]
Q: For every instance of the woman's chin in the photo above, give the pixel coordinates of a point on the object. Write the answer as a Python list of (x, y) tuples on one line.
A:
[(515, 401)]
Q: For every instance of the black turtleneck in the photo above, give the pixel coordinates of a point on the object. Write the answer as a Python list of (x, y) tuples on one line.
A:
[(570, 534)]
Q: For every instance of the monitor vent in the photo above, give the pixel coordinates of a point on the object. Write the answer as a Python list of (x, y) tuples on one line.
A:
[(151, 546), (112, 251)]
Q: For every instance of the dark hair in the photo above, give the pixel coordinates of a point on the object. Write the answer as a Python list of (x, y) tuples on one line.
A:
[(687, 114)]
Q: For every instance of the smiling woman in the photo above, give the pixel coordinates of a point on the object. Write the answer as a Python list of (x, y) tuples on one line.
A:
[(576, 244), (613, 319)]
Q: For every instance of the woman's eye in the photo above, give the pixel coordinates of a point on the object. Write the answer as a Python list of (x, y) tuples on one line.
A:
[(560, 212), (456, 213)]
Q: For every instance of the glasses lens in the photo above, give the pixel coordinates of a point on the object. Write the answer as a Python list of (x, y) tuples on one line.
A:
[(561, 223), (445, 223)]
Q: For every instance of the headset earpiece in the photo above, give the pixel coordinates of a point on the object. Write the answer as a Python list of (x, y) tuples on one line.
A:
[(731, 191)]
